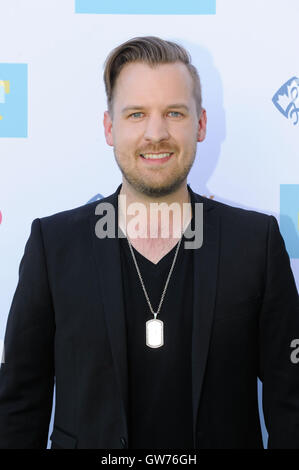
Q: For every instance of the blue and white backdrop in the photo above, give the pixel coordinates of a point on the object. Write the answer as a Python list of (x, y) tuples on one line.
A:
[(53, 155)]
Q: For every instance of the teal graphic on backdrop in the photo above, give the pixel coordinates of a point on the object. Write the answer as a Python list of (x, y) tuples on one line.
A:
[(97, 197), (13, 100), (286, 100), (289, 217), (152, 7)]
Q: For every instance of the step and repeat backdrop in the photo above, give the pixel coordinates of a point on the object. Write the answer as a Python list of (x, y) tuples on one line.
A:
[(53, 154)]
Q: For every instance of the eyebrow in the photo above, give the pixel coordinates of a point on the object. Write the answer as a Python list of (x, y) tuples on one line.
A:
[(171, 106)]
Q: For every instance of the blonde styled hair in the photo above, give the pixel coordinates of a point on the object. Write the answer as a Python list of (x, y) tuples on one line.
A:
[(150, 50)]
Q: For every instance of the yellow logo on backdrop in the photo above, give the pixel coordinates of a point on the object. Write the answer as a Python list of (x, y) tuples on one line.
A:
[(4, 90)]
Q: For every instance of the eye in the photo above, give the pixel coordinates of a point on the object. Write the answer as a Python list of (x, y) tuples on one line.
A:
[(136, 115), (175, 113)]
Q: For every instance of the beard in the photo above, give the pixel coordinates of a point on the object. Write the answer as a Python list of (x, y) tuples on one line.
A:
[(156, 189)]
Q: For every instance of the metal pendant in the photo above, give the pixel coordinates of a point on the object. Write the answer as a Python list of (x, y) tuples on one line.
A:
[(154, 333)]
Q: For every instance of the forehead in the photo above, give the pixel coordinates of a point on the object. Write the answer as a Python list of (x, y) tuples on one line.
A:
[(140, 82)]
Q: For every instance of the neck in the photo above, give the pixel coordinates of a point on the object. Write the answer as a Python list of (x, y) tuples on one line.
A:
[(154, 217)]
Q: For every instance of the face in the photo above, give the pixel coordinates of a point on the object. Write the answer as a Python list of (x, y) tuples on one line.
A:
[(155, 126)]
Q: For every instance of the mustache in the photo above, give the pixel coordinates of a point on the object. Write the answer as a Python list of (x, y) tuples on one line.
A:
[(159, 150)]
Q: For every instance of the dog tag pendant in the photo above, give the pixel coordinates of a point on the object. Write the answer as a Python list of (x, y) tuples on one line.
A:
[(154, 333)]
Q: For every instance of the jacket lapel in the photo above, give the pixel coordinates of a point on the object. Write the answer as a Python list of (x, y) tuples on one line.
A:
[(205, 282), (107, 256)]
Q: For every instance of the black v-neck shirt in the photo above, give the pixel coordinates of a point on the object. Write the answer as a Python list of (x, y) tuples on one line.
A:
[(160, 380)]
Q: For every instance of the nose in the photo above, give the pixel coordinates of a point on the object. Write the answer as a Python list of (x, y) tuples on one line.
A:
[(156, 129)]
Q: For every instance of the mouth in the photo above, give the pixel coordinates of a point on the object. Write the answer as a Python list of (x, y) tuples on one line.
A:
[(157, 158)]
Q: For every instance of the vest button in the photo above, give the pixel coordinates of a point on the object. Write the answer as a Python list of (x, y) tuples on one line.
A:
[(123, 442)]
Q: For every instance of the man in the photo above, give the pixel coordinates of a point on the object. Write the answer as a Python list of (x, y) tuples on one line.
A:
[(152, 345)]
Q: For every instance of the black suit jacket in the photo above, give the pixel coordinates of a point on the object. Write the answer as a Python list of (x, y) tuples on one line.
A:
[(67, 324)]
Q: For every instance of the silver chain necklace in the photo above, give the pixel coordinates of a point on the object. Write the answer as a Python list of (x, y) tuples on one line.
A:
[(155, 328)]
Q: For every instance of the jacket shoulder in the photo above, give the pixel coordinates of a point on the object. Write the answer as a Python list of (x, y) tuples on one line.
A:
[(67, 224), (75, 215), (239, 222), (228, 211), (71, 215)]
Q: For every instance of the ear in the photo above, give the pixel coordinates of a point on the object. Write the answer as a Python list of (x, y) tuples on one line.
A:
[(202, 126), (107, 121)]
